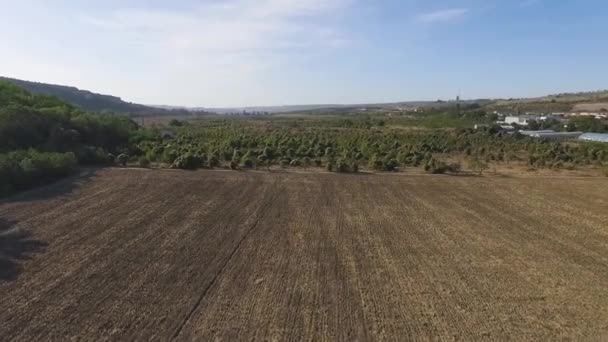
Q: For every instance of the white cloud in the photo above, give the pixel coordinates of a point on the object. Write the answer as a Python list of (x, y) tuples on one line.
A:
[(229, 45), (441, 16), (229, 26), (214, 53)]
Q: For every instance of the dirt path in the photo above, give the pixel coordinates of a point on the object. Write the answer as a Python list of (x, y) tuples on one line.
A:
[(165, 255)]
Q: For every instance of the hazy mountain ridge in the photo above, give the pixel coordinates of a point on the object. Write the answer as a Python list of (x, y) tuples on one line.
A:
[(94, 102)]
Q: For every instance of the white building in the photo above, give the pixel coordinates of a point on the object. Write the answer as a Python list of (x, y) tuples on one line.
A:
[(522, 120)]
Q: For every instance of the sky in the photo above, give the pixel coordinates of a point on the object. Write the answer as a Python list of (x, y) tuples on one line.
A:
[(230, 53)]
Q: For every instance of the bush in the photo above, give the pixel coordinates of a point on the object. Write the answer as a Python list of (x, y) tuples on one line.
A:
[(188, 161), (306, 162), (435, 166), (248, 164), (376, 163), (144, 162), (122, 159), (391, 165), (342, 166), (25, 169), (214, 161), (454, 168), (479, 166)]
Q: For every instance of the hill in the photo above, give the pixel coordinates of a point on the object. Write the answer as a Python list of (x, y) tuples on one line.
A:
[(565, 102), (94, 102), (320, 108)]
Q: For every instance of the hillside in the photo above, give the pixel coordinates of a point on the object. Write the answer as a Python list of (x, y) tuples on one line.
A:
[(320, 108), (582, 101), (94, 102)]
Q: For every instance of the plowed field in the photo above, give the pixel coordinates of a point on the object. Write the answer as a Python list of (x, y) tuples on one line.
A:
[(212, 255)]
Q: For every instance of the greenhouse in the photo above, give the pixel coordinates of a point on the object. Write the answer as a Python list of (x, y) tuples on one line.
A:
[(599, 137)]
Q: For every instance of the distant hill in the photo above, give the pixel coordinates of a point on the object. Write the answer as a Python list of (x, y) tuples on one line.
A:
[(94, 102), (582, 101), (346, 107), (565, 102)]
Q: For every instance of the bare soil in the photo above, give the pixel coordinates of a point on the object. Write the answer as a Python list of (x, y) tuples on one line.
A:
[(172, 255)]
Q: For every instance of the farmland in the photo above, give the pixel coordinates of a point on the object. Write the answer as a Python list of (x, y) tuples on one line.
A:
[(125, 254)]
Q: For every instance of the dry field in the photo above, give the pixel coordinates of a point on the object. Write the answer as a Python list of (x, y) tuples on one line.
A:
[(171, 255)]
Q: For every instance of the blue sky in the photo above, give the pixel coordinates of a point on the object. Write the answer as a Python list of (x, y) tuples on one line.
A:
[(215, 53)]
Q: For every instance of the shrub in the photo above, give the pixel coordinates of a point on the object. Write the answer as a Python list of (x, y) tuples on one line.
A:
[(454, 168), (214, 161), (342, 166), (144, 162), (103, 157), (376, 163), (557, 165), (122, 159), (435, 166), (306, 162), (479, 166), (263, 160), (236, 155), (318, 162), (248, 164), (188, 161), (24, 169), (391, 165), (169, 155)]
